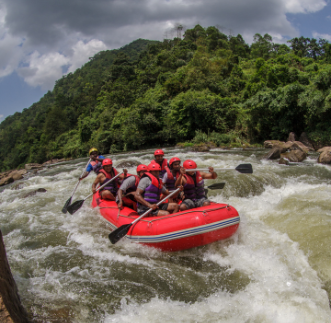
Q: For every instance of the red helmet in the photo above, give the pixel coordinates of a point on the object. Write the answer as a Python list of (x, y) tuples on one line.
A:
[(107, 161), (173, 159), (141, 167), (189, 164), (153, 167), (158, 152)]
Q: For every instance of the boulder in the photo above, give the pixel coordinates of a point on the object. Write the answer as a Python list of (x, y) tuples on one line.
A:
[(12, 176), (292, 137), (295, 155), (283, 161), (32, 166), (39, 190), (327, 148), (304, 139), (128, 164), (299, 145), (325, 156), (11, 309), (53, 161), (272, 143), (6, 180), (200, 148), (5, 174), (274, 153)]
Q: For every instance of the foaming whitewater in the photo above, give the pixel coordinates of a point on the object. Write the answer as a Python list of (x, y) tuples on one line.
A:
[(276, 268)]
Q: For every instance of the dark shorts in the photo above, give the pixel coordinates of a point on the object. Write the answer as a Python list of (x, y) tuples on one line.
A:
[(194, 203), (142, 209)]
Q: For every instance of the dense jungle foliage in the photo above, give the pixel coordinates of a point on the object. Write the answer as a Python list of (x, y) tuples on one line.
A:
[(152, 93)]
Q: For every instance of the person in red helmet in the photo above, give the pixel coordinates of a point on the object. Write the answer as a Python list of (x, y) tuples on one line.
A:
[(193, 183), (105, 175), (160, 160), (149, 192), (172, 172), (129, 187)]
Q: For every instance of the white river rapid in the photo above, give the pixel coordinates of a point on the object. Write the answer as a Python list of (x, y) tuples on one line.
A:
[(275, 269)]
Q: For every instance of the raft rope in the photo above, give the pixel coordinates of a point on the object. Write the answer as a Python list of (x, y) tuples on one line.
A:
[(163, 217)]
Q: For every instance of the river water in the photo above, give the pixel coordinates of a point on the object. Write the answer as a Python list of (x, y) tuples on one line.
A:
[(276, 268)]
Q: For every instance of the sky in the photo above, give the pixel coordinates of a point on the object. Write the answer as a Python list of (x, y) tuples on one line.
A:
[(41, 40)]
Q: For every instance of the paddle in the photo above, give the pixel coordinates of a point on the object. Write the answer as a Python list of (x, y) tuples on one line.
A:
[(78, 204), (242, 168), (64, 209), (121, 231), (216, 186)]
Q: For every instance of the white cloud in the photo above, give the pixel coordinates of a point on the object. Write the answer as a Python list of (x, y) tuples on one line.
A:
[(304, 6), (323, 36), (43, 70), (82, 52)]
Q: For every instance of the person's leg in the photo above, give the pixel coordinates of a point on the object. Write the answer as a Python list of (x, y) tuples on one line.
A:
[(107, 195), (186, 204), (162, 213), (173, 207), (202, 202)]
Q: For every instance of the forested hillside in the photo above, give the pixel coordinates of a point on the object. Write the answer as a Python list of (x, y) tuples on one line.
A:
[(156, 93)]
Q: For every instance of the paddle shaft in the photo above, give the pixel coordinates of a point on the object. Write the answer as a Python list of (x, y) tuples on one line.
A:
[(144, 214), (207, 170), (74, 191)]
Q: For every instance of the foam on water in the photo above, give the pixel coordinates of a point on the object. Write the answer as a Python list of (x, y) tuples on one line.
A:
[(274, 269)]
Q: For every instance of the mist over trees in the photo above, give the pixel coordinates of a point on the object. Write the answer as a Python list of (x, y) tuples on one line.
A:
[(151, 93)]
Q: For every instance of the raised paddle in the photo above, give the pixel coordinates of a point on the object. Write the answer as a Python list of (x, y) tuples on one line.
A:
[(78, 204), (242, 168), (64, 209), (216, 186), (121, 231)]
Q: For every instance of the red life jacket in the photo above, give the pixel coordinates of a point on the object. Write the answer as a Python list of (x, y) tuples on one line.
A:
[(194, 190), (171, 180), (113, 186), (153, 192)]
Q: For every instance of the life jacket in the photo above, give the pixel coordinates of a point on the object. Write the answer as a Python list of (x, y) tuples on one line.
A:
[(163, 166), (134, 187), (171, 180), (113, 186), (96, 165), (153, 192), (194, 189)]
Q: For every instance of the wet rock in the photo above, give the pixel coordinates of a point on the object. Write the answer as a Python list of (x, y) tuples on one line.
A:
[(283, 161), (128, 164), (295, 155), (305, 140), (292, 137), (12, 176), (272, 143), (54, 161), (39, 190), (274, 153), (11, 309), (200, 148), (33, 166), (325, 156)]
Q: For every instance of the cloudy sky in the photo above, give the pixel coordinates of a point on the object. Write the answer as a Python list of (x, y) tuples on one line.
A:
[(40, 40)]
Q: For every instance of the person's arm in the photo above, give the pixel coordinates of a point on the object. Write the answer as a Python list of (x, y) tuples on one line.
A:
[(87, 172), (166, 192), (210, 175), (98, 180), (124, 175), (181, 179), (138, 195), (120, 202)]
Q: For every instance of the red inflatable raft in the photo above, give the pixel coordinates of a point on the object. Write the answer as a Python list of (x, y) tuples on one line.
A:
[(179, 231)]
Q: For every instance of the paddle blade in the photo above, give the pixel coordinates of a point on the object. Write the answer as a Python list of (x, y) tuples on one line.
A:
[(75, 206), (119, 233), (217, 186), (245, 168), (64, 209)]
